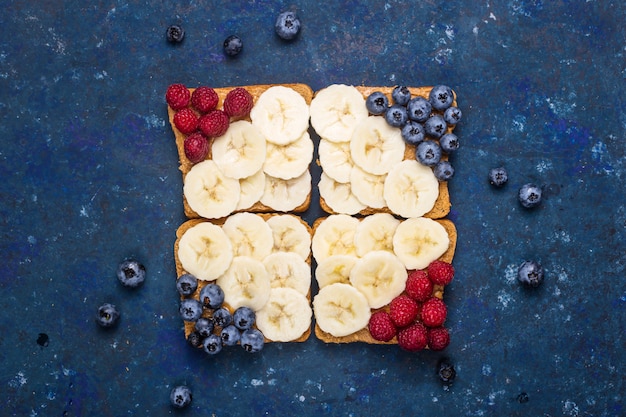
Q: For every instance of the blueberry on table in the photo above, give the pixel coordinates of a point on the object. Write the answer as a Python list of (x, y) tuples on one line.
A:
[(190, 309), (530, 273), (233, 45), (441, 97), (252, 340), (175, 34), (212, 296), (131, 273), (396, 115), (413, 132), (449, 143), (419, 109), (108, 315), (212, 344), (230, 335), (446, 371), (244, 318), (377, 103), (401, 95), (186, 285), (428, 153), (529, 195), (498, 177), (435, 126), (180, 396), (443, 171), (287, 25)]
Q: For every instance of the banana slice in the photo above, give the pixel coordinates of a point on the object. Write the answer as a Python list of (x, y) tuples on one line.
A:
[(281, 114), (375, 146), (336, 111), (339, 196), (375, 232), (209, 192), (411, 189), (419, 241), (288, 270), (240, 152), (380, 276), (335, 159), (245, 283), (334, 236), (251, 190), (341, 309), (368, 188), (289, 161), (286, 195), (290, 235), (334, 269), (249, 235), (205, 251), (285, 317)]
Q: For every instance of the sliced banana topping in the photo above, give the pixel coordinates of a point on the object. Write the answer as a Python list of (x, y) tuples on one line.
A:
[(252, 188), (334, 269), (335, 159), (336, 111), (368, 188), (249, 235), (290, 235), (286, 316), (419, 241), (375, 146), (341, 309), (380, 276), (339, 196), (375, 233), (286, 195), (289, 161), (245, 283), (241, 151), (288, 270), (209, 192), (205, 251), (411, 189), (334, 236)]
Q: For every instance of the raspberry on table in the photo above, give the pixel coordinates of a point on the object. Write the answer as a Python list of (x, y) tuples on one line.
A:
[(213, 124), (438, 338), (204, 99), (177, 96), (418, 285), (413, 338), (196, 147), (434, 312), (381, 326), (186, 121), (440, 272), (238, 103), (403, 310)]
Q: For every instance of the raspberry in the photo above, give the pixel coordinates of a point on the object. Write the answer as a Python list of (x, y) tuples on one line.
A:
[(177, 96), (186, 120), (440, 272), (204, 99), (196, 147), (238, 103), (381, 326), (403, 310), (419, 286), (413, 338), (434, 312), (214, 123), (438, 338)]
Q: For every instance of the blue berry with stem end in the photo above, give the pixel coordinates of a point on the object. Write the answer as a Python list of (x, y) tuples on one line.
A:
[(449, 143), (419, 109), (413, 132), (212, 344), (498, 177), (252, 340), (452, 115), (435, 126), (131, 273), (287, 25), (108, 315), (212, 296), (443, 171), (233, 45), (377, 103), (180, 396), (529, 195), (530, 273), (396, 115), (441, 97), (190, 309), (401, 95), (186, 285), (230, 335), (428, 153)]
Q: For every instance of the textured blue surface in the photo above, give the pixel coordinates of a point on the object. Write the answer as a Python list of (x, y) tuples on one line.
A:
[(89, 177)]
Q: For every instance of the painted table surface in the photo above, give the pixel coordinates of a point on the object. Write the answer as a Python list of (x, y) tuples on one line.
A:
[(89, 177)]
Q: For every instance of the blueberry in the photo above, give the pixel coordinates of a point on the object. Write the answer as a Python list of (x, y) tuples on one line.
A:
[(452, 115), (377, 103), (195, 339), (180, 396), (428, 153), (401, 95), (529, 195), (107, 315), (233, 45), (396, 115), (230, 335), (212, 296), (449, 142), (222, 317), (287, 25), (435, 126), (252, 340), (186, 284), (413, 132), (190, 309), (530, 273), (498, 177), (419, 109), (131, 273), (212, 344), (244, 318), (443, 171), (446, 371), (175, 34), (204, 326), (441, 97)]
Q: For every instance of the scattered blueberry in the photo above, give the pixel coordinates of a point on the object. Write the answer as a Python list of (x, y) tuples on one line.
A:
[(243, 318), (441, 97), (195, 339), (530, 273), (287, 25), (396, 115), (233, 45), (446, 372), (435, 126), (131, 273), (452, 115), (377, 103), (230, 335), (107, 315), (401, 95), (449, 143), (212, 344), (419, 109), (204, 326), (186, 285), (522, 397), (428, 152), (443, 171), (212, 296), (252, 340), (180, 396), (43, 340), (529, 195), (222, 317), (190, 309), (498, 177), (175, 34)]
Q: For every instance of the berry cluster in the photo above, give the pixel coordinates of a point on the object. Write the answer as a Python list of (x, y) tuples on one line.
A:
[(214, 325), (197, 116), (416, 316), (424, 123)]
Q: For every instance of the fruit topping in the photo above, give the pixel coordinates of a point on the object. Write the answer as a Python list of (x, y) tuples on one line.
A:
[(177, 96), (377, 103), (419, 109), (449, 143), (244, 318), (238, 103), (441, 97), (212, 344), (131, 273), (435, 126), (233, 45), (287, 25), (452, 115), (413, 132), (413, 338), (186, 120), (438, 338), (222, 317), (403, 310), (180, 396), (434, 312), (401, 95), (418, 285), (530, 273), (190, 309), (396, 115), (195, 339), (381, 326), (204, 99), (212, 296), (498, 177), (252, 340), (204, 326), (440, 272), (443, 171), (196, 147), (186, 285), (428, 153), (529, 195), (107, 315), (230, 335), (214, 124)]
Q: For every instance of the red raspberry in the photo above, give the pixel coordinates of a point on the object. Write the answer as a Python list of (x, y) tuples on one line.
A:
[(440, 272), (438, 338), (214, 123), (238, 103), (381, 327), (413, 338), (196, 147), (186, 120), (434, 312), (419, 286), (177, 96), (204, 99), (403, 310)]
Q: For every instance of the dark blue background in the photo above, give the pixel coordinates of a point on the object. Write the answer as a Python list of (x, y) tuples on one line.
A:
[(89, 176)]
